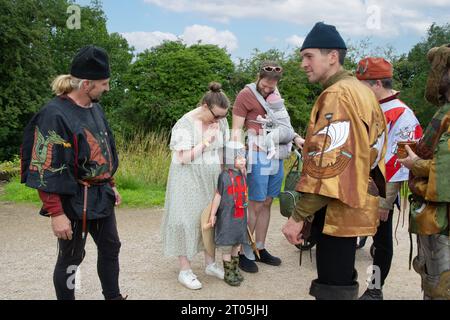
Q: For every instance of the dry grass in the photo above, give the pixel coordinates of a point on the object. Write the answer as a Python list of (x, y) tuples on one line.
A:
[(144, 160)]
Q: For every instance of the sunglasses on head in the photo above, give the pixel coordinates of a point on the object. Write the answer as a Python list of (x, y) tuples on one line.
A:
[(272, 69)]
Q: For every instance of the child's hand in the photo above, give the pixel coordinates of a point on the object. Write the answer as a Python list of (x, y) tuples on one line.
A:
[(212, 221), (261, 119)]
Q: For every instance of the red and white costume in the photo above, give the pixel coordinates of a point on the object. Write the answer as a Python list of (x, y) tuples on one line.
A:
[(402, 125)]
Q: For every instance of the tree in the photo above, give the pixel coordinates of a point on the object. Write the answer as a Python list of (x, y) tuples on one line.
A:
[(298, 93), (247, 69), (65, 42), (24, 68), (412, 72), (169, 80), (36, 46)]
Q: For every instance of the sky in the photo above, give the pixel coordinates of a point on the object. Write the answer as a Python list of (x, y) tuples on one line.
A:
[(243, 25)]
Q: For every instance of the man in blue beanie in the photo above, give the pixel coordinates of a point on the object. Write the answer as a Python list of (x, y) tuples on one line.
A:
[(343, 170)]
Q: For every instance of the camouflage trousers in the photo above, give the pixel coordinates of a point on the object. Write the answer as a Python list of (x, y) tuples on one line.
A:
[(433, 265)]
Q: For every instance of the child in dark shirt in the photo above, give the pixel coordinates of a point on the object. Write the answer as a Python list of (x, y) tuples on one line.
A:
[(229, 211)]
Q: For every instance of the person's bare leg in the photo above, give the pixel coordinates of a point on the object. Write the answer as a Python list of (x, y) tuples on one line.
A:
[(185, 264), (226, 257), (262, 227), (253, 209), (263, 220), (209, 259), (212, 268), (186, 277), (235, 250)]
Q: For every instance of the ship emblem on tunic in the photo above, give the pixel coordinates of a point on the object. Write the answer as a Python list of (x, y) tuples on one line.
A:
[(335, 136)]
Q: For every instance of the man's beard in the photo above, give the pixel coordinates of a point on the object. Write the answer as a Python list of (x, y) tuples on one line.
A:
[(263, 94), (94, 100)]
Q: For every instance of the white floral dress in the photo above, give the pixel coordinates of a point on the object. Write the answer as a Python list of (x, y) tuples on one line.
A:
[(190, 188)]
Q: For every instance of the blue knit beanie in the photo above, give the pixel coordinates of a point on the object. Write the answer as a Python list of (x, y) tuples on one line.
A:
[(323, 36)]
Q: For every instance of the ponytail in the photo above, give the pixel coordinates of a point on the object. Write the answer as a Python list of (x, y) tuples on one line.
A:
[(65, 84)]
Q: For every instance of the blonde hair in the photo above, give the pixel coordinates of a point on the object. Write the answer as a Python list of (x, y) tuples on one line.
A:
[(65, 84)]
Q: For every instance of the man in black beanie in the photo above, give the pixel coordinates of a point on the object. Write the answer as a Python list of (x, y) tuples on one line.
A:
[(343, 168), (69, 156)]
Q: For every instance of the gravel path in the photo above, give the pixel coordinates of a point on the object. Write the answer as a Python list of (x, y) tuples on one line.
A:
[(28, 254)]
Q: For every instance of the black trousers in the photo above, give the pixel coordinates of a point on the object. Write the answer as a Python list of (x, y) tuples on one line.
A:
[(383, 244), (71, 253), (335, 256)]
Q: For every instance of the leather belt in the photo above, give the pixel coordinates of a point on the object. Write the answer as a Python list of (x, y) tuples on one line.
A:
[(87, 185)]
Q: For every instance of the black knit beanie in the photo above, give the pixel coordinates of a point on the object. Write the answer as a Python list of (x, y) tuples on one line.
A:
[(91, 63)]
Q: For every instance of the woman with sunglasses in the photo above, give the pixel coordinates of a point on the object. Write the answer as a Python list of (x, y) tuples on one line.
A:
[(266, 172), (197, 142)]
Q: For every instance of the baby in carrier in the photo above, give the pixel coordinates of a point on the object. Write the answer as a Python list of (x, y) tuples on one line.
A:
[(283, 132)]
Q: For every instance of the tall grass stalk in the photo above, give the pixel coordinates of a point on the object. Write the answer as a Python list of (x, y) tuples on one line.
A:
[(144, 160), (141, 177)]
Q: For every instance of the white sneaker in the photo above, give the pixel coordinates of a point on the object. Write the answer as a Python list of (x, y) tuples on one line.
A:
[(189, 280), (214, 270)]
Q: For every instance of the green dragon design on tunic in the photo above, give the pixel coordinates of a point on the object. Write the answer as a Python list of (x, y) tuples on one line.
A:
[(43, 153)]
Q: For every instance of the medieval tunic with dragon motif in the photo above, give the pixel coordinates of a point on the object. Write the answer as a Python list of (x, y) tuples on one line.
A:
[(343, 156), (65, 144)]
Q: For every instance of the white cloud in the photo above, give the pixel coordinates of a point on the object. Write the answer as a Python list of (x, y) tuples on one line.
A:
[(145, 40), (421, 3), (417, 26), (295, 40), (191, 35), (351, 17), (205, 34)]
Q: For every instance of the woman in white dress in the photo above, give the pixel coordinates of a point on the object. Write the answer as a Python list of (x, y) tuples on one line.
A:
[(197, 147)]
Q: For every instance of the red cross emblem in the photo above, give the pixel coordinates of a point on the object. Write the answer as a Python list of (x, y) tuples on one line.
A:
[(238, 196)]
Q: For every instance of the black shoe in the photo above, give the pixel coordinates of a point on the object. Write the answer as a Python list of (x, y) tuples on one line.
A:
[(355, 275), (266, 257), (120, 297), (372, 294), (247, 265), (330, 292)]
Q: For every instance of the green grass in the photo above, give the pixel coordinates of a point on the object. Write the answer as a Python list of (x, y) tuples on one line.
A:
[(19, 193), (141, 178), (141, 197), (143, 169), (144, 160)]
